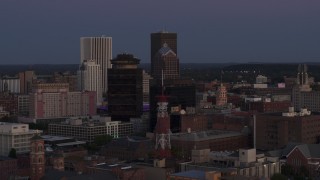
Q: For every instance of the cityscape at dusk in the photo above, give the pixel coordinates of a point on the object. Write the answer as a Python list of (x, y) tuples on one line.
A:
[(159, 90)]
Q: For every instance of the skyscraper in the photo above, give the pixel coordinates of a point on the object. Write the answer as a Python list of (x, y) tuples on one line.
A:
[(164, 55), (90, 78), (166, 64), (125, 91), (159, 38), (98, 49)]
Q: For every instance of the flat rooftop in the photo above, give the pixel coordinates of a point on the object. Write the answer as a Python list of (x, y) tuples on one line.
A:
[(200, 175), (204, 135)]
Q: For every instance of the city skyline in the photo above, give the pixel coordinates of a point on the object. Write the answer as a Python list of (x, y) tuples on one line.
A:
[(36, 32)]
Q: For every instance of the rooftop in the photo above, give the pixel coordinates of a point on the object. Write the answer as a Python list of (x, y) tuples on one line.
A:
[(201, 175), (204, 135)]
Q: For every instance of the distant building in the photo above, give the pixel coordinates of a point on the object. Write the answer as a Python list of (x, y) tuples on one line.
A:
[(245, 162), (165, 64), (98, 49), (275, 130), (261, 79), (55, 100), (9, 102), (90, 78), (221, 96), (23, 104), (125, 91), (87, 130), (157, 41), (3, 113), (26, 80), (215, 140), (66, 77), (15, 136), (10, 84), (146, 87)]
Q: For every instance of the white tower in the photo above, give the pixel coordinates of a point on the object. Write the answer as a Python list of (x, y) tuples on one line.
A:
[(90, 78), (98, 49)]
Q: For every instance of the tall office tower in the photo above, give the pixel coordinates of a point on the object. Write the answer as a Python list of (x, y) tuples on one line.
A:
[(98, 49), (90, 78), (157, 41), (166, 64), (125, 88)]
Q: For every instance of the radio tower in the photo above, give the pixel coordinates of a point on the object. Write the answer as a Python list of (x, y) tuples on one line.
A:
[(162, 129)]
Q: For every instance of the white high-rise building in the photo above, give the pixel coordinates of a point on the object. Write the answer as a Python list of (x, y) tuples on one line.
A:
[(98, 49), (90, 78)]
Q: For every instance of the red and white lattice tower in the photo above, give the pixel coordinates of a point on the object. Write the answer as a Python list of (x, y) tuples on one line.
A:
[(162, 129)]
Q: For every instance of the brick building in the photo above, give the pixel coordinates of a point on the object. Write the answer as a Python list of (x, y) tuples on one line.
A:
[(8, 167), (306, 155), (275, 130), (9, 102), (215, 140)]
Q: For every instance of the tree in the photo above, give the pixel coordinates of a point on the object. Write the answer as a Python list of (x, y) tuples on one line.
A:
[(13, 153)]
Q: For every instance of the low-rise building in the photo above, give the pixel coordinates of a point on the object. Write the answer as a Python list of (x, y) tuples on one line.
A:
[(215, 140), (245, 162), (15, 136), (87, 129)]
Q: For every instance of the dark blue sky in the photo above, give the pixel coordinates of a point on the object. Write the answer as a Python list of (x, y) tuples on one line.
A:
[(48, 31)]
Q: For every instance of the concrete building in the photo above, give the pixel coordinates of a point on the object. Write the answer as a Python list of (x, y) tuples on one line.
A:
[(146, 87), (54, 101), (98, 49), (125, 99), (276, 130), (15, 136), (23, 104), (87, 130), (3, 113), (10, 84), (245, 162), (90, 78)]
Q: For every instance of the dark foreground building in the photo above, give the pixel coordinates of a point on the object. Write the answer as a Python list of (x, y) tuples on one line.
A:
[(125, 88)]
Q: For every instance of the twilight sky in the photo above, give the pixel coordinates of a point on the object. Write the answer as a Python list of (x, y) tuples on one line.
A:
[(49, 31)]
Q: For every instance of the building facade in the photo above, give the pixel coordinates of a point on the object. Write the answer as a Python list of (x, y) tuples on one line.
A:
[(125, 88), (88, 130), (37, 158), (10, 84), (98, 49), (90, 78), (15, 136), (275, 130), (59, 102), (165, 64)]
